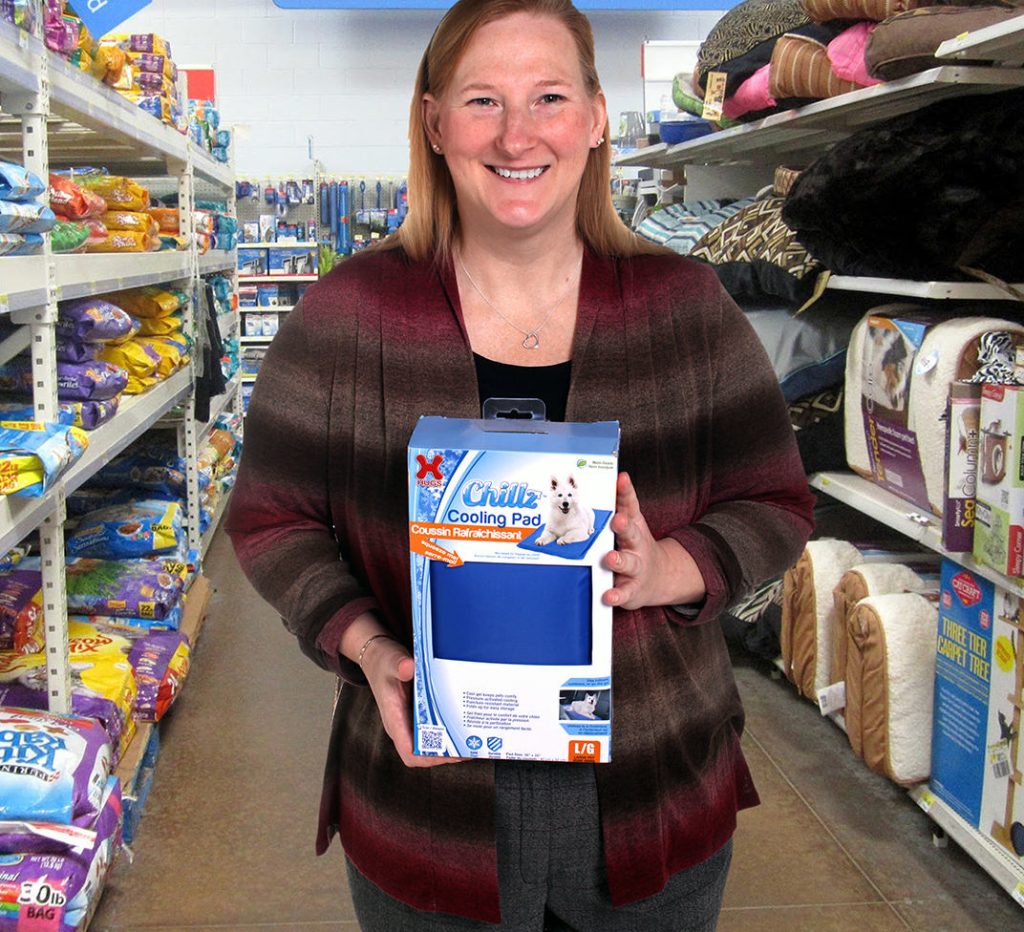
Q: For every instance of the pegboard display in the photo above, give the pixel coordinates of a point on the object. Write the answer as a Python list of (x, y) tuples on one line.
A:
[(273, 210)]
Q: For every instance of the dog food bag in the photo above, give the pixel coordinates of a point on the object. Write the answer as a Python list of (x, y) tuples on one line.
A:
[(18, 183), (21, 611), (149, 301), (90, 414), (57, 891), (161, 326), (146, 467), (126, 241), (34, 453), (89, 381), (69, 236), (53, 768), (138, 529), (137, 359), (125, 588), (92, 320), (161, 663), (133, 628), (72, 202), (15, 409), (120, 193), (20, 244), (12, 559), (508, 522), (139, 221), (75, 350), (25, 218)]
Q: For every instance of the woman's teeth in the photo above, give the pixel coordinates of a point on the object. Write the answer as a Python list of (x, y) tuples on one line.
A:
[(519, 175)]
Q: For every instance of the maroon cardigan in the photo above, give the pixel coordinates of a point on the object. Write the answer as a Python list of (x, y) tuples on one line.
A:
[(319, 522)]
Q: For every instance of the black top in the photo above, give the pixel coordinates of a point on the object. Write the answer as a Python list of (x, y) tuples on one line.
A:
[(548, 383)]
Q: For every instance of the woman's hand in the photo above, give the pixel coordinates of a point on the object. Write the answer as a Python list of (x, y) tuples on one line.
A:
[(647, 571), (389, 671)]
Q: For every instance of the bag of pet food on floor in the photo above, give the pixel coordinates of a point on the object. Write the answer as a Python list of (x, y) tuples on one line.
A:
[(126, 588), (139, 529), (161, 663), (54, 767), (34, 453)]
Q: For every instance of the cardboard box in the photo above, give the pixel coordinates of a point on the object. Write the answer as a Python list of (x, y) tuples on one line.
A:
[(999, 512), (508, 522), (298, 260), (963, 418), (252, 260), (979, 688), (270, 322), (268, 295), (253, 325)]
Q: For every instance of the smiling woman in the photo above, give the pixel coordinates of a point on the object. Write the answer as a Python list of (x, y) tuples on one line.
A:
[(512, 276)]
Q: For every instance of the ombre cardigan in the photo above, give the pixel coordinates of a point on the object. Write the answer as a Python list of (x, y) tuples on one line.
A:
[(319, 523)]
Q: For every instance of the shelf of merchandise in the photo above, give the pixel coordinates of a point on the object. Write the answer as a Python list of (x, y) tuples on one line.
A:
[(995, 860), (279, 244), (256, 279), (259, 339), (218, 513), (1002, 42), (937, 291), (813, 128), (55, 116), (902, 516), (267, 310), (740, 160)]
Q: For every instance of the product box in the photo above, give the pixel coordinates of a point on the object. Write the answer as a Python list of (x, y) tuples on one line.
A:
[(247, 296), (268, 228), (252, 261), (253, 325), (890, 354), (508, 523), (268, 295), (270, 322), (999, 512), (963, 418), (979, 689), (298, 260)]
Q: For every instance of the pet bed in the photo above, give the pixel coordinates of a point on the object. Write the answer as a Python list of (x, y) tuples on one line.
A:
[(576, 551), (890, 684)]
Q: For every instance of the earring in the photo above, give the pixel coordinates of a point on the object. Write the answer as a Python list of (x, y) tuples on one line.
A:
[(600, 142), (435, 147)]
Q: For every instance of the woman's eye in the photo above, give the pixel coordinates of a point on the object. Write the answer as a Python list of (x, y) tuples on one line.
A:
[(552, 98), (482, 101)]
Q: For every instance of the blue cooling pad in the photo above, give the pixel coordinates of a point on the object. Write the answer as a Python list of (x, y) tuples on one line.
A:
[(511, 613), (567, 551)]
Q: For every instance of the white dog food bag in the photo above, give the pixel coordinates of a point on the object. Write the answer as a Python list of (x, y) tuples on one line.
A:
[(508, 523)]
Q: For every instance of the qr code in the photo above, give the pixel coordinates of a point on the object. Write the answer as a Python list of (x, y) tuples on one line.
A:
[(431, 739)]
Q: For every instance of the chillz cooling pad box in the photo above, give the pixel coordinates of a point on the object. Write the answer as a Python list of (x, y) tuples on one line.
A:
[(508, 523)]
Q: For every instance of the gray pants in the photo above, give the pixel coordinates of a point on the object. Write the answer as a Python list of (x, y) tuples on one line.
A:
[(551, 868)]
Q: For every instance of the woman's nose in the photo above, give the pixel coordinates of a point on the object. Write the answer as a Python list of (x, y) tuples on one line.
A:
[(517, 131)]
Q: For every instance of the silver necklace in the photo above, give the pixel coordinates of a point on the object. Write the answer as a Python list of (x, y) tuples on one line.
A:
[(531, 337)]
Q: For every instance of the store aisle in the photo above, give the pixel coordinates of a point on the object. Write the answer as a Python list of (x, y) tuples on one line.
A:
[(226, 838)]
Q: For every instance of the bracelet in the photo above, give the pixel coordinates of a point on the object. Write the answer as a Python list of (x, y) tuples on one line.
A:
[(368, 642)]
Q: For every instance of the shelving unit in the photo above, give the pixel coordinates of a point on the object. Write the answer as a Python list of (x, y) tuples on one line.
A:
[(258, 279), (737, 161), (51, 116)]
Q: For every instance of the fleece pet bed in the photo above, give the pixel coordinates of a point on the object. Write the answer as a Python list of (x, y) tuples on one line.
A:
[(506, 613), (890, 684), (861, 582), (951, 346), (808, 612)]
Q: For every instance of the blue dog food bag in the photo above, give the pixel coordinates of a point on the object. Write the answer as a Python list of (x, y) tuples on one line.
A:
[(508, 524)]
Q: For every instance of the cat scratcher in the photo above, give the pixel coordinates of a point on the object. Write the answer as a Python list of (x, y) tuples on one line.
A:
[(1010, 833)]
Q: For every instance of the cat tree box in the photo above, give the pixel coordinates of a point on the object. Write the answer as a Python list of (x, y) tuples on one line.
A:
[(979, 691), (508, 524)]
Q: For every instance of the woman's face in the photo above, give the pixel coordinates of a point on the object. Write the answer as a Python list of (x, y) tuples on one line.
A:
[(516, 126)]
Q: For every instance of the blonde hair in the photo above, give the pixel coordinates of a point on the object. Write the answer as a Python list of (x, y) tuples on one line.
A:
[(431, 225)]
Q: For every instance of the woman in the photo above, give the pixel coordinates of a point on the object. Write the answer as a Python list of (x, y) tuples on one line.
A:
[(512, 276)]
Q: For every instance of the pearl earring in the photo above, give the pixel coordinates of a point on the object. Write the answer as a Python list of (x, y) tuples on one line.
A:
[(435, 147), (600, 142)]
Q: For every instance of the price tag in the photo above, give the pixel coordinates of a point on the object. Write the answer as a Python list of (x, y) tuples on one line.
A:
[(926, 800), (714, 95), (5, 307), (832, 698), (999, 760), (1018, 893)]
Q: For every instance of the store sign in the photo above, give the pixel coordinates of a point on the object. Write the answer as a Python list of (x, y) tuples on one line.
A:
[(103, 16), (444, 4)]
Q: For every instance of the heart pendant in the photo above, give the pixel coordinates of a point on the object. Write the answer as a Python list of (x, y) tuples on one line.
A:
[(532, 341)]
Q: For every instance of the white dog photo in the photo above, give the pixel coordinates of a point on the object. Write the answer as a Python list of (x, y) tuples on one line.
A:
[(569, 519)]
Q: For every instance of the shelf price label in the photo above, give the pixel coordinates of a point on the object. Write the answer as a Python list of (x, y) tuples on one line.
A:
[(1018, 893), (926, 800), (5, 304)]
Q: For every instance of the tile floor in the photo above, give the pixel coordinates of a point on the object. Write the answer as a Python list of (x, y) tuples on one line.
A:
[(226, 839)]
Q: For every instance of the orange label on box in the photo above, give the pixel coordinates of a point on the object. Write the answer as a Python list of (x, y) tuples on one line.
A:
[(584, 752)]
